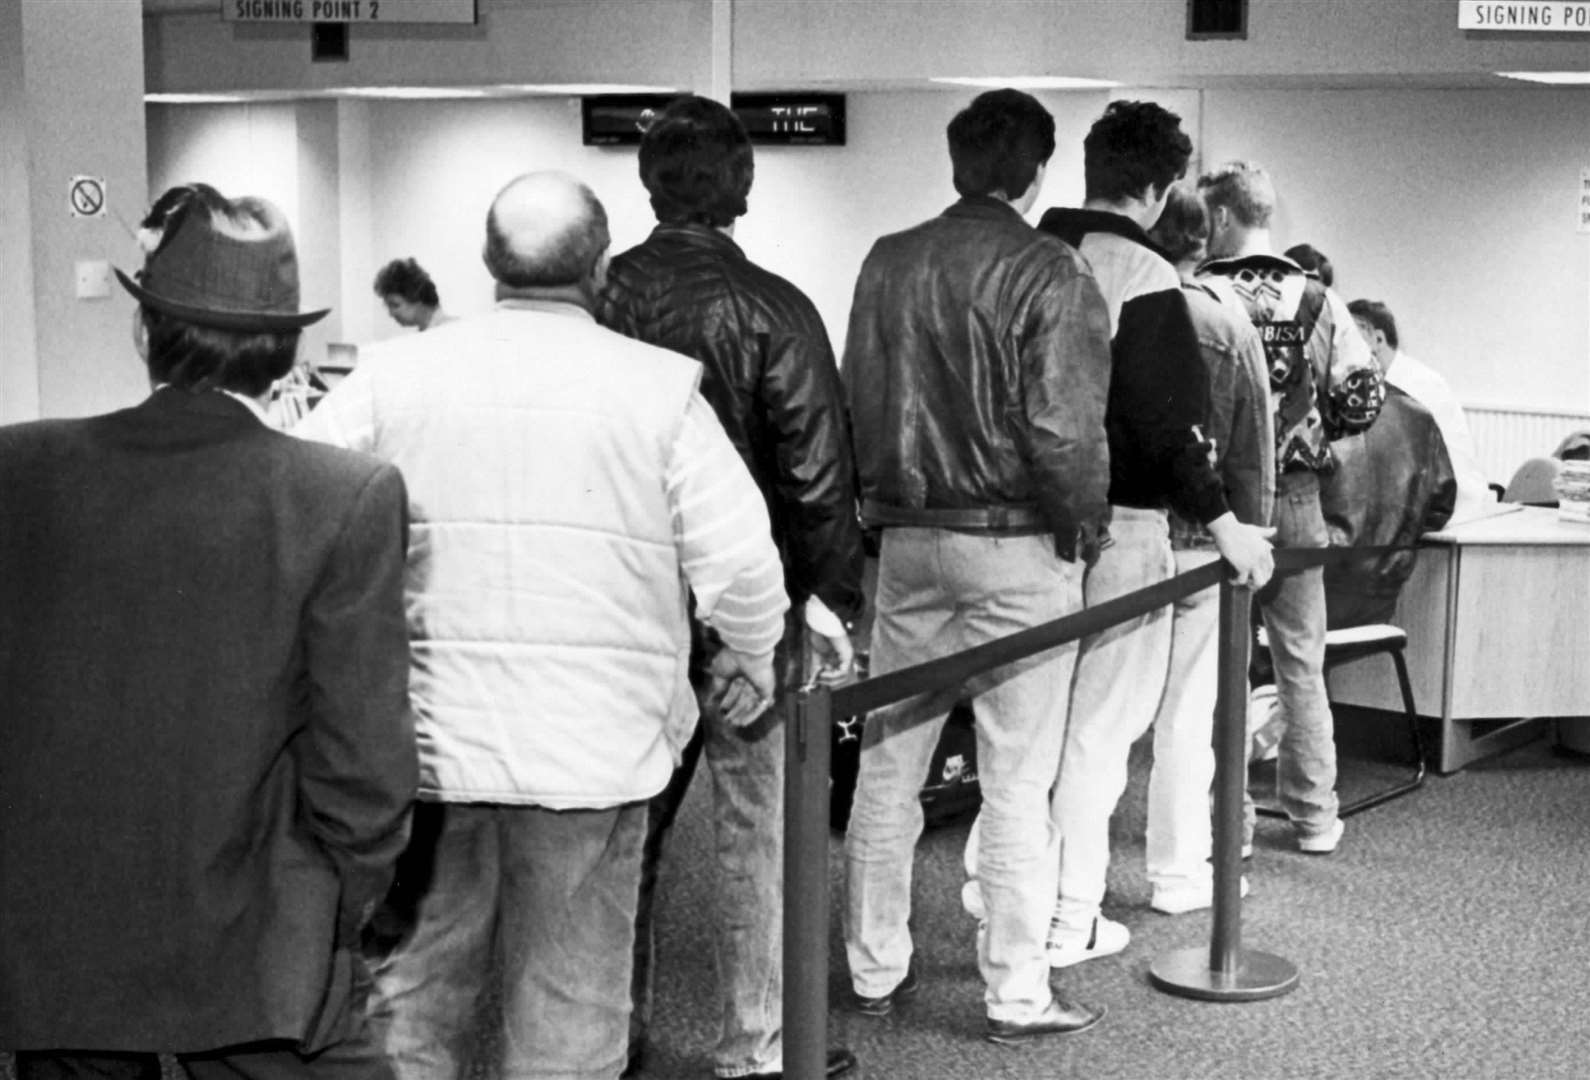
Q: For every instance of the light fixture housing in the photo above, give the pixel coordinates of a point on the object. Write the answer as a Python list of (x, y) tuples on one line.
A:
[(1553, 78), (1027, 82)]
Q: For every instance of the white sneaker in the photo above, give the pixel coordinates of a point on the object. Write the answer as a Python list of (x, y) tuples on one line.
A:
[(1105, 937), (1322, 843), (1180, 899)]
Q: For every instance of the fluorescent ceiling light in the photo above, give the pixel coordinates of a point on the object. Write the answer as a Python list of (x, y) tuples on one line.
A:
[(585, 89), (1029, 82), (411, 93), (192, 99), (1556, 78)]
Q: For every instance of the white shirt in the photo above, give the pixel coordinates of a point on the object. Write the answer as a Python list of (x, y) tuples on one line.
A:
[(1424, 385)]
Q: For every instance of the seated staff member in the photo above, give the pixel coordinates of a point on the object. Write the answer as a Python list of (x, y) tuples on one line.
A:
[(1425, 385), (410, 295)]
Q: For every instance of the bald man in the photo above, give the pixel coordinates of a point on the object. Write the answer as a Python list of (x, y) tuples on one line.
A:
[(566, 485)]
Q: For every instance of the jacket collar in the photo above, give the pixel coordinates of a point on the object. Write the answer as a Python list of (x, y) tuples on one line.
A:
[(1258, 261), (985, 207), (1072, 225), (215, 406), (695, 235), (545, 307)]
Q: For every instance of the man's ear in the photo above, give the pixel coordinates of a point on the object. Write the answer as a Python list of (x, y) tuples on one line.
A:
[(140, 334), (596, 280)]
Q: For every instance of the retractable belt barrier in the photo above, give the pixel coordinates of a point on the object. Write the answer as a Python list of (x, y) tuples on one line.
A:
[(1223, 971)]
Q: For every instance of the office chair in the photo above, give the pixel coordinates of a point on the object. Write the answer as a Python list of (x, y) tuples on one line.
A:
[(1355, 643), (1532, 483)]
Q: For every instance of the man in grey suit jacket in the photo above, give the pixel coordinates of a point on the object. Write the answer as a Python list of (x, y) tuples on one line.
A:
[(206, 759)]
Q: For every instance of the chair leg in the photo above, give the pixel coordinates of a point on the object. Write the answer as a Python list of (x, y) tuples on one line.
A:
[(1417, 737)]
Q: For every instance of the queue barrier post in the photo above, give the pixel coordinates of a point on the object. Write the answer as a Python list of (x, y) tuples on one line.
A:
[(806, 780), (1224, 971)]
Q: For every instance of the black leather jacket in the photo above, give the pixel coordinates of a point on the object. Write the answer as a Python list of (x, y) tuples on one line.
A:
[(770, 377), (978, 366), (1392, 483)]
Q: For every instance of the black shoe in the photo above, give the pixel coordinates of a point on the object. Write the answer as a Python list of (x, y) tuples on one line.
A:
[(884, 1005), (1060, 1018), (840, 1061)]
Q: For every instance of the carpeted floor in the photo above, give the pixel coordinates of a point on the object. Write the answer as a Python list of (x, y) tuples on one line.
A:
[(1447, 939)]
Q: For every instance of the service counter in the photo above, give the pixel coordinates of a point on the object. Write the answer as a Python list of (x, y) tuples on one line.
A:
[(1497, 613)]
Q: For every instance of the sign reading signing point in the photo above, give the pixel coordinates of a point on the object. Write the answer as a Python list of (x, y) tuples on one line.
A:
[(87, 196), (1529, 16), (349, 11)]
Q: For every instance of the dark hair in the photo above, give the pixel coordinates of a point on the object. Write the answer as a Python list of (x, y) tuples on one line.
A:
[(193, 357), (564, 257), (1313, 260), (1135, 145), (1377, 315), (696, 163), (998, 142), (1244, 189), (407, 279), (1182, 231)]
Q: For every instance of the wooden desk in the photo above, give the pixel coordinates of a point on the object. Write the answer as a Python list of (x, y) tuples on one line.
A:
[(1498, 619)]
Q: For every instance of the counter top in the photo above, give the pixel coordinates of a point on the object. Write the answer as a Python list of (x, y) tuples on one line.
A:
[(1518, 525)]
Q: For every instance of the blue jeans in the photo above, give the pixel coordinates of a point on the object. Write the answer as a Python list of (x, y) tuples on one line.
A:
[(1119, 679), (747, 766), (1293, 608), (546, 899), (941, 592)]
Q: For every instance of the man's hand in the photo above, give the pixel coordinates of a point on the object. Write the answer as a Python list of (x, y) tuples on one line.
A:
[(1246, 547), (833, 656), (742, 685)]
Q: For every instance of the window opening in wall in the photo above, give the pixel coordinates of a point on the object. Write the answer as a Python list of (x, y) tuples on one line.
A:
[(1217, 20)]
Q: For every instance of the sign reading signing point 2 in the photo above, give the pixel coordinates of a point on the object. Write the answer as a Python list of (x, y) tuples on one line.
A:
[(1525, 16), (87, 196)]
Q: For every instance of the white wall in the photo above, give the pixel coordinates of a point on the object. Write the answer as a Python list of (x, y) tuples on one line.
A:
[(70, 77), (1454, 207)]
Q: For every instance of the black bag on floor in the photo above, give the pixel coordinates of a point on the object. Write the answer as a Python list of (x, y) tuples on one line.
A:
[(950, 792)]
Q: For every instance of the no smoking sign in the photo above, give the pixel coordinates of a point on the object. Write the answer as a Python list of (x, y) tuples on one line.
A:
[(87, 196)]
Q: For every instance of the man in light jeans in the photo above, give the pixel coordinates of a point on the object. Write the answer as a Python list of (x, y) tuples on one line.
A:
[(1323, 385), (1178, 833), (977, 366), (1159, 460)]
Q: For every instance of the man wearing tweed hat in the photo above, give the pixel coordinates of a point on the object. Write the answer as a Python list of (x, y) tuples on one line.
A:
[(208, 761)]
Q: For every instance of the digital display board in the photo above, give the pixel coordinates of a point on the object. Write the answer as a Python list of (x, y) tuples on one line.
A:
[(792, 119)]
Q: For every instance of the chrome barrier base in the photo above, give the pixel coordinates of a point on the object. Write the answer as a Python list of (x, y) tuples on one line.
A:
[(1253, 976)]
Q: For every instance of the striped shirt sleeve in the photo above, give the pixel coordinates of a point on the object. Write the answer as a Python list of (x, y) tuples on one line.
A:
[(723, 535)]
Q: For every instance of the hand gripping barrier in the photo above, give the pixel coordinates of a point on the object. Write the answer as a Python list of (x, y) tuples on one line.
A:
[(1223, 971)]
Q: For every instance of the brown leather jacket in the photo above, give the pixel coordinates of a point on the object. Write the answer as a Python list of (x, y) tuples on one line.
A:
[(769, 374), (977, 366), (1392, 483)]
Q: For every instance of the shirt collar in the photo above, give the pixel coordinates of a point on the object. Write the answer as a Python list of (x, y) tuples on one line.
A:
[(249, 403)]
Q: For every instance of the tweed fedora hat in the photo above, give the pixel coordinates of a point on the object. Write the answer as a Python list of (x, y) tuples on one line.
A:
[(224, 263)]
